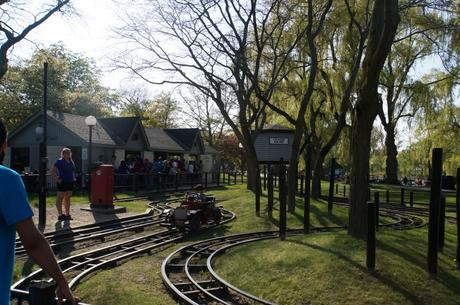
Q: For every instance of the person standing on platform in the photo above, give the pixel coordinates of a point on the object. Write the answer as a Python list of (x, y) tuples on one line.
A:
[(63, 172), (16, 216)]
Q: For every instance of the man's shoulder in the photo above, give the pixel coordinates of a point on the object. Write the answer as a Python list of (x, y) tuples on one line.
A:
[(7, 172)]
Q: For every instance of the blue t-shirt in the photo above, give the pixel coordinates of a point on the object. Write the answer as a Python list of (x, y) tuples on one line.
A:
[(65, 170), (14, 207)]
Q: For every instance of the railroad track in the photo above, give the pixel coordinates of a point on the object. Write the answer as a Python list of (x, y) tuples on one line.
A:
[(100, 231), (82, 265), (189, 276)]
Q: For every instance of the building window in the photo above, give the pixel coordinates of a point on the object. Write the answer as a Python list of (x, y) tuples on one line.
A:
[(20, 159)]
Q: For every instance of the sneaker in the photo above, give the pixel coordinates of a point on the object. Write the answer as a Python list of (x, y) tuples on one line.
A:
[(62, 217), (68, 217)]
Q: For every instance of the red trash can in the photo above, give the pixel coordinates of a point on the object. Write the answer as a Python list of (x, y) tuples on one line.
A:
[(102, 186)]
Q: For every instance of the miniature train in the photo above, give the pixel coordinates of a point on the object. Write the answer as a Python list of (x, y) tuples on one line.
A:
[(195, 209)]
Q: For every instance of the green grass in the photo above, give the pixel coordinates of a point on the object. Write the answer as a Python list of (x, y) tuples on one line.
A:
[(420, 195), (136, 206), (324, 268)]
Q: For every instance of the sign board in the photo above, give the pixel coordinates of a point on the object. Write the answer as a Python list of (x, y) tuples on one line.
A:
[(84, 154), (274, 145), (279, 141)]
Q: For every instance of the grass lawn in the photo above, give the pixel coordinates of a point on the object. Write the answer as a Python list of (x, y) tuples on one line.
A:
[(136, 206), (327, 268)]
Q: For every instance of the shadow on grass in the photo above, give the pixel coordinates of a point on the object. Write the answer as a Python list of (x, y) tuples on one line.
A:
[(384, 280), (416, 256)]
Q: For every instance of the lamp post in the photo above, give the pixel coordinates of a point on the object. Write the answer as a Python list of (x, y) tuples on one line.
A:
[(90, 121), (39, 131)]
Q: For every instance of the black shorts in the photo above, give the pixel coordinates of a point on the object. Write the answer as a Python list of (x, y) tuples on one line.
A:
[(65, 186)]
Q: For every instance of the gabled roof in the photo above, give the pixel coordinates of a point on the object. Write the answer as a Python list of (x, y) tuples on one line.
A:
[(186, 137), (121, 127), (160, 141), (276, 128), (77, 125)]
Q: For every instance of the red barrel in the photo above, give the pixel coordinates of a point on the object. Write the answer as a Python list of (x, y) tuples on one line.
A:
[(102, 186)]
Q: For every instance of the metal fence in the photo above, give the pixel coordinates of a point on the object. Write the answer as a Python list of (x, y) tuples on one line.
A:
[(140, 181)]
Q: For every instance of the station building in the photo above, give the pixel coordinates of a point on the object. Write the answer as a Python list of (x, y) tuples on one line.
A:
[(113, 139)]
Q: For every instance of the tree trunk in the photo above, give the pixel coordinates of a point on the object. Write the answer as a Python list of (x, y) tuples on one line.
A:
[(384, 23), (317, 175), (252, 165), (359, 179), (391, 169)]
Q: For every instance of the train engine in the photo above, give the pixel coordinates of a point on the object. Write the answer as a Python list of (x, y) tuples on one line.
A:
[(195, 209)]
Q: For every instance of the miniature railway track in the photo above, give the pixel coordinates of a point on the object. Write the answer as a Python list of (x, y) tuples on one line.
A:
[(100, 231), (82, 265), (190, 277)]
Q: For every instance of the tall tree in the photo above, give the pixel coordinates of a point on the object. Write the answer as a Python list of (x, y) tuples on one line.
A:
[(18, 19), (382, 31), (345, 40), (216, 47), (73, 86), (161, 111), (406, 90), (200, 111)]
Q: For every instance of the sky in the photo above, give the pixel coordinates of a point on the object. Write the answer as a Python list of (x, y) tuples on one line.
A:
[(90, 33)]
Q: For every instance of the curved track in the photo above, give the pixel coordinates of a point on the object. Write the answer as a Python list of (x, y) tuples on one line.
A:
[(100, 231), (80, 266), (190, 277)]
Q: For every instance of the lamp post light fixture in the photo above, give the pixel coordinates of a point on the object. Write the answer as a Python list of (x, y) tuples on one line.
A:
[(90, 121)]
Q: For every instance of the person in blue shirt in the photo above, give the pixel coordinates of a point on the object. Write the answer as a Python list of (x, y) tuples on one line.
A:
[(63, 172), (16, 216)]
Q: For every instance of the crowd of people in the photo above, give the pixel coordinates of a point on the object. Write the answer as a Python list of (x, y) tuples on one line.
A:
[(158, 166)]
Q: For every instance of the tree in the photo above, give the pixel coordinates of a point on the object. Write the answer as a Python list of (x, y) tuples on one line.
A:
[(17, 21), (438, 129), (201, 112), (134, 102), (217, 47), (160, 111), (406, 91), (345, 39), (73, 86), (382, 31)]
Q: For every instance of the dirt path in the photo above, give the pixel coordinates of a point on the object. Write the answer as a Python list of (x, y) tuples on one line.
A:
[(79, 217)]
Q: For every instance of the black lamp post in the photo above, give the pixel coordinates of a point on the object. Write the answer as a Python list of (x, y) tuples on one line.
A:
[(41, 133), (41, 178), (90, 121)]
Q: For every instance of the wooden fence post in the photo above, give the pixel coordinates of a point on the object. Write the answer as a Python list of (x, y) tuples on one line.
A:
[(370, 249), (331, 187), (283, 199), (435, 198), (457, 203), (306, 211), (270, 192)]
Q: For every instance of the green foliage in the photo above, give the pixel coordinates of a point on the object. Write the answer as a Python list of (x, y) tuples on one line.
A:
[(441, 129), (161, 111), (73, 86)]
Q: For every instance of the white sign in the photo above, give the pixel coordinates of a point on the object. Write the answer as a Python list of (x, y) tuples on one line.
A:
[(279, 141), (84, 154)]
